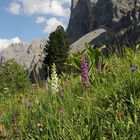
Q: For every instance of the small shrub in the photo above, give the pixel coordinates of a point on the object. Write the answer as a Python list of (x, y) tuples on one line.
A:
[(13, 78)]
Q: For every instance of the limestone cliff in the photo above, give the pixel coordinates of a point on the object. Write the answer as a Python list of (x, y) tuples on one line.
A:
[(87, 15)]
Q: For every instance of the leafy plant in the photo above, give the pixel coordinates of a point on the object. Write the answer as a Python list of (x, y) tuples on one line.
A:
[(94, 56), (13, 78), (108, 109)]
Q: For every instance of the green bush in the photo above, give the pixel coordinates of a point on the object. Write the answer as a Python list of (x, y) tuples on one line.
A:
[(13, 78)]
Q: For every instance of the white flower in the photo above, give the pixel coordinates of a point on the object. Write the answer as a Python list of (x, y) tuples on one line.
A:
[(54, 79)]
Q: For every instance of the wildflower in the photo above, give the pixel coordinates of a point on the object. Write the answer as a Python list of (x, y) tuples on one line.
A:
[(26, 101), (85, 76), (6, 90), (99, 67), (40, 126), (134, 68), (108, 68), (15, 117), (33, 88), (62, 112), (46, 85), (65, 84), (121, 115), (54, 79)]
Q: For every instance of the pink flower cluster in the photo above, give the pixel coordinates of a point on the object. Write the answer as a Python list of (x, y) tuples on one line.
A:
[(99, 67), (85, 76)]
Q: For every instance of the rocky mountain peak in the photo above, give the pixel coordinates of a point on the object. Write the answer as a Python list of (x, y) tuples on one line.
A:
[(87, 15)]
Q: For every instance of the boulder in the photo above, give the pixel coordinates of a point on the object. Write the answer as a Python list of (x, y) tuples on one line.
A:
[(93, 38)]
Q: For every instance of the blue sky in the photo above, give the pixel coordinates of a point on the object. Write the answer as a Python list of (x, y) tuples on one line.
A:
[(26, 20)]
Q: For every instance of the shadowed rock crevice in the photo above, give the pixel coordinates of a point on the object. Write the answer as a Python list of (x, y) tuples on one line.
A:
[(78, 20), (98, 14)]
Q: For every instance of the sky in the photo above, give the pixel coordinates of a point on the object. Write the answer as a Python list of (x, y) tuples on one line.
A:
[(26, 20)]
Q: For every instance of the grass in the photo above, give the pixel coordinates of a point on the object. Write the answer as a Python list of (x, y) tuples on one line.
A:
[(109, 109)]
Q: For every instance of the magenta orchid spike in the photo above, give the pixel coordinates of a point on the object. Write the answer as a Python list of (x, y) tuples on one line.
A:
[(85, 76), (99, 67)]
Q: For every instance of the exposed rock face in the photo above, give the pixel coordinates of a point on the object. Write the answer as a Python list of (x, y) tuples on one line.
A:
[(102, 36), (91, 38), (87, 15), (29, 55)]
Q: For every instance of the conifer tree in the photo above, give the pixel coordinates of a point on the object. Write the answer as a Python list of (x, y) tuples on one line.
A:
[(57, 50)]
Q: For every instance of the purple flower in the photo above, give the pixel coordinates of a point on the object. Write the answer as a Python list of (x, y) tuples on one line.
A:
[(99, 67), (33, 88), (85, 76), (26, 101), (134, 68), (46, 85), (62, 112)]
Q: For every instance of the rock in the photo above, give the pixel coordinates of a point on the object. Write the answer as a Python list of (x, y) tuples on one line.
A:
[(87, 15), (129, 38), (30, 55), (131, 35), (102, 36), (93, 38)]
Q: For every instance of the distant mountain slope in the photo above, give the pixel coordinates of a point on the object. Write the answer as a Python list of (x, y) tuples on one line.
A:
[(29, 55)]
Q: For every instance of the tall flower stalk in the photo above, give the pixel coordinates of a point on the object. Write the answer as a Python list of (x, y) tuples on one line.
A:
[(54, 79), (99, 67), (85, 74)]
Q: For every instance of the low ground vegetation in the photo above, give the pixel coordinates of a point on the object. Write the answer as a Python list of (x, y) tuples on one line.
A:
[(13, 78), (98, 98)]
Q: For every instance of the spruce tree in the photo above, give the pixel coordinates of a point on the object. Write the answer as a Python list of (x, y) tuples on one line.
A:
[(57, 50)]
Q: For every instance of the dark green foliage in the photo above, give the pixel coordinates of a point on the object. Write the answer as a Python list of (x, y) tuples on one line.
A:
[(57, 50), (107, 110), (13, 78)]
